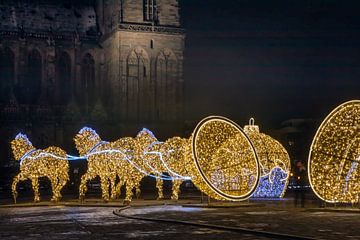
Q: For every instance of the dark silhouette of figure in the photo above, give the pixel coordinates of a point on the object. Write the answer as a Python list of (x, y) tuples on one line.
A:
[(300, 180)]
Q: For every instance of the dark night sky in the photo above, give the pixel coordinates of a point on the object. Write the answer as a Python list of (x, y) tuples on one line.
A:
[(273, 60)]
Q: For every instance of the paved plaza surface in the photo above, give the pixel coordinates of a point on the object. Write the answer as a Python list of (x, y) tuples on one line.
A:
[(91, 221)]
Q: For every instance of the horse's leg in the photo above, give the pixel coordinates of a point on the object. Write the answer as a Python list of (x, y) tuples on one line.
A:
[(61, 182), (104, 181), (130, 184), (54, 186), (35, 187), (159, 186), (176, 189), (136, 183), (118, 188), (113, 187), (137, 189), (16, 180), (83, 188)]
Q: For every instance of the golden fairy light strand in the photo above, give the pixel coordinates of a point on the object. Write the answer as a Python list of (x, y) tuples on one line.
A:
[(334, 156)]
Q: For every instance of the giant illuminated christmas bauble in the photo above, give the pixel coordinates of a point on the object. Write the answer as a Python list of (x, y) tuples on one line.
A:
[(225, 159), (334, 158), (274, 163)]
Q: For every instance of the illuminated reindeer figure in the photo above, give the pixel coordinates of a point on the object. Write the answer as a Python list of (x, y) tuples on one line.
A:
[(35, 163)]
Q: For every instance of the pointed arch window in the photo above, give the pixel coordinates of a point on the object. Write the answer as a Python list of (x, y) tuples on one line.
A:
[(87, 88), (137, 86), (33, 80), (64, 85), (6, 74), (165, 86)]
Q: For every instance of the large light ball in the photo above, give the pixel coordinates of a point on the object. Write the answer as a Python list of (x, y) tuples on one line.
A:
[(274, 163), (334, 158)]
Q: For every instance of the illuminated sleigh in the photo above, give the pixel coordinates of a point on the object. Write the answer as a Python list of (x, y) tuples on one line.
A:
[(228, 163), (35, 163)]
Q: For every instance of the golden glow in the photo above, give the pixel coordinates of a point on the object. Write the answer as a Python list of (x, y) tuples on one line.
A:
[(219, 158), (271, 153), (110, 159), (50, 162), (226, 162), (334, 156)]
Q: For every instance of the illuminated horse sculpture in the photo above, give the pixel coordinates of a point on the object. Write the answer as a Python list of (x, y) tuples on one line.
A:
[(128, 158), (108, 160), (174, 157), (35, 163)]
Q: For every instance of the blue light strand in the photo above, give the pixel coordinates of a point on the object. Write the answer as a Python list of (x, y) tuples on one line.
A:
[(347, 178), (271, 184), (26, 155)]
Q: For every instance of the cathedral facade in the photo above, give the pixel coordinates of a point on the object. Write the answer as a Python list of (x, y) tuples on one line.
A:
[(116, 65)]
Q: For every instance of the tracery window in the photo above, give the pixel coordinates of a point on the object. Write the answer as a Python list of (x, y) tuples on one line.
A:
[(150, 10)]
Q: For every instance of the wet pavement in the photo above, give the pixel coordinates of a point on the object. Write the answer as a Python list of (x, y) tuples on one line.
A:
[(72, 222), (60, 222), (312, 222)]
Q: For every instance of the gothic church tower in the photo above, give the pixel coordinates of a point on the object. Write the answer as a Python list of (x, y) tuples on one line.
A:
[(143, 48), (116, 65)]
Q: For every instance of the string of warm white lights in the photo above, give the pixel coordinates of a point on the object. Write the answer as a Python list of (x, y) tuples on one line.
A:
[(334, 155)]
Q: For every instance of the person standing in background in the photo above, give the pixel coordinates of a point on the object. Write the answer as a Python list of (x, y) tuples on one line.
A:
[(300, 180)]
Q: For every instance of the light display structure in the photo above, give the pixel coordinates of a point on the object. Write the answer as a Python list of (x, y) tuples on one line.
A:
[(274, 163), (220, 158), (110, 160), (168, 157), (35, 163), (127, 159), (334, 156), (226, 161)]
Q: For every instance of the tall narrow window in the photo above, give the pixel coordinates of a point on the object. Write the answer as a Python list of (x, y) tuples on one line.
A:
[(33, 79), (6, 74), (87, 88), (150, 10), (165, 96), (64, 78), (137, 87)]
